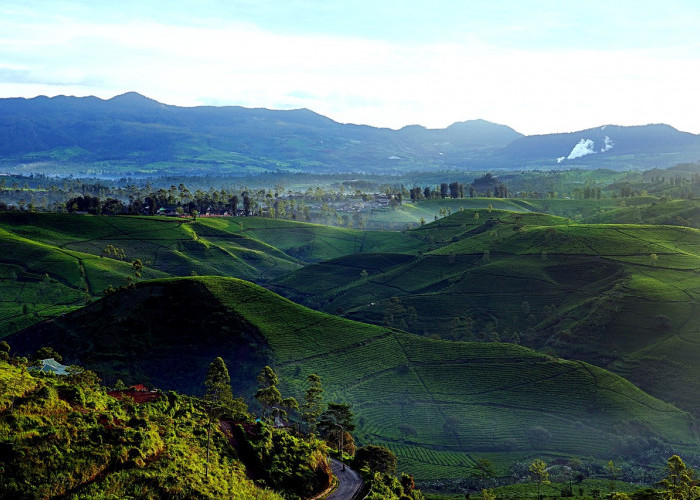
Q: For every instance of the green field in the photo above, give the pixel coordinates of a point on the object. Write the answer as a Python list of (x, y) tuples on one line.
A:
[(54, 263), (623, 296), (459, 399)]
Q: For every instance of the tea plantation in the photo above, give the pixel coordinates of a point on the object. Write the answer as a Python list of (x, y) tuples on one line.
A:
[(434, 402)]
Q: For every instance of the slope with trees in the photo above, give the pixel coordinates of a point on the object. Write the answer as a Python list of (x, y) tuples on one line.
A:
[(451, 393)]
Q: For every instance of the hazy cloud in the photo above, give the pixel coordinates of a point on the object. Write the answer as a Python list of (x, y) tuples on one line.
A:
[(554, 68)]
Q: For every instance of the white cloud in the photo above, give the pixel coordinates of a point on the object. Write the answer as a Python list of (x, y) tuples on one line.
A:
[(352, 79), (608, 145), (583, 148)]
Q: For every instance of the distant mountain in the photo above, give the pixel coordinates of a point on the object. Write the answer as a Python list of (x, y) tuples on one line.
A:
[(131, 134), (610, 142)]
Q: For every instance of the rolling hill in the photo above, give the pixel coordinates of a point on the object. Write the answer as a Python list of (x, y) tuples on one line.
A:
[(435, 403), (623, 296), (54, 263)]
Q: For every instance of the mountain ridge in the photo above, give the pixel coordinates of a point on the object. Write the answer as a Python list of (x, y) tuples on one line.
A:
[(133, 134)]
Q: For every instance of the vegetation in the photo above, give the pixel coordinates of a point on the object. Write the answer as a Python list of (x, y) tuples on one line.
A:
[(484, 308), (450, 392), (66, 436), (605, 293)]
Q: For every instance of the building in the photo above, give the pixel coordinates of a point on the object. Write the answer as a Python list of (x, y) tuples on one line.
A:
[(50, 365)]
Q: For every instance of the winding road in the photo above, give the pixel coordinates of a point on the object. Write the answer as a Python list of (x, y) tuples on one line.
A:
[(349, 482)]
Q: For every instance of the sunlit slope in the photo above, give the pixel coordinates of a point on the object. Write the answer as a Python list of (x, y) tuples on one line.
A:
[(620, 295), (40, 280), (655, 211), (635, 210), (428, 210), (171, 245), (68, 439), (315, 242), (73, 251), (456, 398)]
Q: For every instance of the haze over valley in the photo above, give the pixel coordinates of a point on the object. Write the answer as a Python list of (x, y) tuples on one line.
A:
[(349, 250)]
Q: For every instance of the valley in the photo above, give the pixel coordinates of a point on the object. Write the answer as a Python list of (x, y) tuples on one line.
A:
[(572, 335), (470, 320)]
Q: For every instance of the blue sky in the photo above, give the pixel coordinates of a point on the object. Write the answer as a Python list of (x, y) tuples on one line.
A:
[(539, 66)]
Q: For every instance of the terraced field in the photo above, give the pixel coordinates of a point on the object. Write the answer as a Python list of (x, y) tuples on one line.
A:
[(624, 296), (639, 209), (53, 263), (438, 404)]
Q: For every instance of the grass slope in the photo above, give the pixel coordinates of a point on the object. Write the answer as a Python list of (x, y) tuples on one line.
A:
[(53, 263), (40, 280), (625, 296), (456, 398), (634, 210), (170, 245)]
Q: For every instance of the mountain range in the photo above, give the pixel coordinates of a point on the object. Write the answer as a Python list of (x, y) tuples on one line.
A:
[(133, 135)]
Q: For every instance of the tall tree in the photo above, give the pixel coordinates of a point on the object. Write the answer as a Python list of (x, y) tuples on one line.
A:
[(268, 395), (311, 408), (613, 470), (680, 482), (336, 414), (539, 474), (376, 459), (218, 383), (218, 394)]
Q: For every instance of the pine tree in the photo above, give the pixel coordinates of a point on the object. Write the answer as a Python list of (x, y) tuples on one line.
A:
[(218, 384), (311, 409), (268, 395), (539, 474), (680, 480)]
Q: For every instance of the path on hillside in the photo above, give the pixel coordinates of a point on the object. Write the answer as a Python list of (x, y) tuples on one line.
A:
[(349, 482)]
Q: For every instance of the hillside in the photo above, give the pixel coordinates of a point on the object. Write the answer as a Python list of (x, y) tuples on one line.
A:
[(54, 263), (608, 146), (69, 436), (131, 135), (620, 296), (449, 394)]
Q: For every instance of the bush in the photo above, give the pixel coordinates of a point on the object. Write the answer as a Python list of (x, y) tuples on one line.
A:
[(71, 394), (375, 458)]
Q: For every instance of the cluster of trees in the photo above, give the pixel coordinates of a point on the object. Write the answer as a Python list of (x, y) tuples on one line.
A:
[(179, 200), (486, 186), (333, 423), (61, 432), (66, 430), (679, 482)]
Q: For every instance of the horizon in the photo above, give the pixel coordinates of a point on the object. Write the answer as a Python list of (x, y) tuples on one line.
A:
[(550, 68), (104, 99)]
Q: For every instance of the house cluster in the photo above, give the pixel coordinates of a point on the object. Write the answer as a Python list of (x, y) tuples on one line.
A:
[(209, 212)]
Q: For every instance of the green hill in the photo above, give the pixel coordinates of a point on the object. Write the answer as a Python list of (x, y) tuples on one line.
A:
[(434, 402), (54, 263), (620, 296), (634, 210), (653, 211)]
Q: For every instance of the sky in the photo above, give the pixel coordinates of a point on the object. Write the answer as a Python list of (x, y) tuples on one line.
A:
[(539, 66)]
